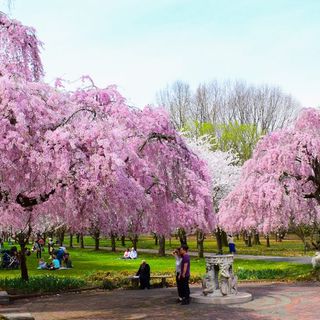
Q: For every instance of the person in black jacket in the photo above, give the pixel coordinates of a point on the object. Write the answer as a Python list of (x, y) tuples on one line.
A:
[(144, 275)]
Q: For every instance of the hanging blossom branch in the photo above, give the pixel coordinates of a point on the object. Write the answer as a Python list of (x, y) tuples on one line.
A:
[(156, 136), (65, 121)]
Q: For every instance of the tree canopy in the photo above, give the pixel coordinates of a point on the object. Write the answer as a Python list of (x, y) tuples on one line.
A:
[(280, 185), (86, 158)]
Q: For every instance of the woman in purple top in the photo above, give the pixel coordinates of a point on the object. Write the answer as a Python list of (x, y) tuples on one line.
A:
[(185, 275)]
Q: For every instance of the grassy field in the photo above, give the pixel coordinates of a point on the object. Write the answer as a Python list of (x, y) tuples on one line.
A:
[(288, 247), (88, 262)]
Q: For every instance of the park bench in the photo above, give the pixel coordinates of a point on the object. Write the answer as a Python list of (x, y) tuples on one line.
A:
[(135, 279)]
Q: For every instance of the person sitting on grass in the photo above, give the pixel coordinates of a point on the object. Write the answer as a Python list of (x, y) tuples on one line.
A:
[(67, 261), (126, 254), (55, 264), (133, 254), (42, 264)]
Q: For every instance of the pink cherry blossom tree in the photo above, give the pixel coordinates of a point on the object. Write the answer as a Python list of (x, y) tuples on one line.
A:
[(88, 159), (280, 185)]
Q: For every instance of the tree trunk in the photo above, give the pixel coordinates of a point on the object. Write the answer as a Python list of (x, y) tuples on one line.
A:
[(113, 242), (81, 241), (123, 241), (219, 241), (71, 241), (162, 246), (60, 235), (249, 241), (182, 236), (224, 238), (268, 241), (256, 239), (23, 261), (134, 241), (200, 240), (155, 239), (78, 238), (96, 237)]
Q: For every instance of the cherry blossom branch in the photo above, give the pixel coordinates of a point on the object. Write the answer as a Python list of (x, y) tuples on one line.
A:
[(65, 121)]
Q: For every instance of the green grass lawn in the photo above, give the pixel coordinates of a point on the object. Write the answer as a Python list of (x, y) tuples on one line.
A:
[(288, 247), (88, 262)]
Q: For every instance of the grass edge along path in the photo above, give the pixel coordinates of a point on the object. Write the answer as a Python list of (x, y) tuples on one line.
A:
[(98, 267)]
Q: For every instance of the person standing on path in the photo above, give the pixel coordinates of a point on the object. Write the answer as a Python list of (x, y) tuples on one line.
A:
[(185, 275), (176, 254), (231, 244)]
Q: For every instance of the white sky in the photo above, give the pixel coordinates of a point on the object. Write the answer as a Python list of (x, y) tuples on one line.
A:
[(143, 45)]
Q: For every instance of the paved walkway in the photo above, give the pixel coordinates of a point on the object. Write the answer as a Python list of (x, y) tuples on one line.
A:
[(273, 301), (302, 260)]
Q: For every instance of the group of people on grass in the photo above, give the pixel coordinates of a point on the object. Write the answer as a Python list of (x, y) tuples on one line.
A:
[(60, 258), (130, 254)]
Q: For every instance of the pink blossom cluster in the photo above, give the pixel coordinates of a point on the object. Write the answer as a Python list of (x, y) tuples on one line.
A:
[(19, 50)]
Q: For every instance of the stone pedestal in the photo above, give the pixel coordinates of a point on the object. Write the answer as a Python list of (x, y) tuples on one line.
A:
[(220, 285)]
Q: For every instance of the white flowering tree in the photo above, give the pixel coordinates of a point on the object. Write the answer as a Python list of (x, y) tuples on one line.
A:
[(223, 170)]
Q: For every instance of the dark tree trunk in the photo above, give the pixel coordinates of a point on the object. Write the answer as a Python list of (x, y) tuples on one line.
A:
[(155, 239), (256, 239), (113, 242), (219, 241), (81, 241), (182, 236), (224, 238), (200, 240), (162, 246), (123, 241), (134, 241), (71, 241), (249, 241), (61, 237), (78, 238), (96, 237), (23, 260), (268, 241)]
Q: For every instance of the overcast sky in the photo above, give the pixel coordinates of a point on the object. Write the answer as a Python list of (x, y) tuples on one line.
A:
[(143, 45)]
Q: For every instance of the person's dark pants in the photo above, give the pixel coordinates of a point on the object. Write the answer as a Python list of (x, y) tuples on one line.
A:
[(144, 282), (185, 290), (178, 285), (232, 248), (39, 254)]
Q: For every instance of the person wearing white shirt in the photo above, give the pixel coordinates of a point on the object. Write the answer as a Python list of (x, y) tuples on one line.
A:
[(133, 254), (232, 246), (176, 254)]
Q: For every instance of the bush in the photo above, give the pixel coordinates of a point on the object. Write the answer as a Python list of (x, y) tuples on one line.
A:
[(40, 284), (111, 280), (245, 274)]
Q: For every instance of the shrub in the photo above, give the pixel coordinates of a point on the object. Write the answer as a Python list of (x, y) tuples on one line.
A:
[(40, 284), (111, 280), (247, 274)]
